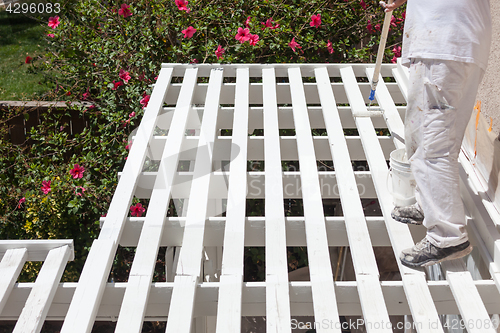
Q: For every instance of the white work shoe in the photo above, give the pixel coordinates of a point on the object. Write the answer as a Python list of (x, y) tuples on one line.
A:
[(424, 253), (408, 214)]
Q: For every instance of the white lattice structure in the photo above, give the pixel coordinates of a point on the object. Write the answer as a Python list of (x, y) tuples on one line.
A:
[(205, 291)]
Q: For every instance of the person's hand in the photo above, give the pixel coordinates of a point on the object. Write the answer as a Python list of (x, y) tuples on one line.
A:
[(391, 6)]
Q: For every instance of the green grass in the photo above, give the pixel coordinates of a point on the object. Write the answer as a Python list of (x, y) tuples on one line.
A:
[(21, 36)]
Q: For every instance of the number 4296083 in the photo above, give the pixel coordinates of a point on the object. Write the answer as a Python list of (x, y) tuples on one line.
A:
[(33, 8)]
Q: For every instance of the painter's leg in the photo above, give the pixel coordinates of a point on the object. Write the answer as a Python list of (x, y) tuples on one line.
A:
[(414, 116), (436, 127)]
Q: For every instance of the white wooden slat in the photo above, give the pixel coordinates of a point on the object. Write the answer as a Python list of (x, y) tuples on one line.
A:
[(141, 273), (37, 248), (188, 268), (357, 230), (468, 300), (11, 265), (38, 303), (231, 281), (256, 189), (254, 299), (88, 294), (419, 298), (254, 232), (277, 297), (391, 113), (481, 223), (120, 204), (325, 306), (83, 308), (281, 69), (400, 73), (288, 144), (363, 257)]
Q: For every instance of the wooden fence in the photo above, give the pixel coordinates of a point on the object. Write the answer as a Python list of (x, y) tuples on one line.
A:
[(32, 115)]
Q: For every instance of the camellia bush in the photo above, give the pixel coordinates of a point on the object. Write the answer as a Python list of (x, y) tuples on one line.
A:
[(107, 54)]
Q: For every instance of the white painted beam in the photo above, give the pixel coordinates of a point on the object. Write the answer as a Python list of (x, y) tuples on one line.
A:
[(254, 232), (391, 113), (231, 281), (325, 306), (11, 265), (141, 273), (38, 249), (37, 305), (292, 185), (277, 297), (363, 257), (188, 268), (253, 299), (256, 147)]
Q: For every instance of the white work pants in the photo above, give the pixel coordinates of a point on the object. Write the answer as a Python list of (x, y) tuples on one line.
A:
[(441, 97)]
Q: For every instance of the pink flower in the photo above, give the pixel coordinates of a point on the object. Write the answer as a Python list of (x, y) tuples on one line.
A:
[(77, 171), (315, 21), (393, 21), (247, 22), (394, 59), (124, 11), (132, 115), (189, 32), (28, 60), (243, 35), (254, 39), (128, 146), (269, 24), (377, 27), (369, 26), (293, 44), (46, 186), (51, 35), (125, 76), (137, 210), (182, 5), (363, 4), (86, 95), (53, 22), (145, 100), (194, 61), (219, 52), (79, 193), (397, 51), (21, 201), (116, 84), (329, 47)]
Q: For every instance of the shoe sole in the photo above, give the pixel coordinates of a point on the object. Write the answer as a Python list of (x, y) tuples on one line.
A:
[(430, 262), (406, 220)]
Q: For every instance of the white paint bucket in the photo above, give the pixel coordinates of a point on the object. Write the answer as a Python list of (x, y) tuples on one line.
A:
[(403, 183)]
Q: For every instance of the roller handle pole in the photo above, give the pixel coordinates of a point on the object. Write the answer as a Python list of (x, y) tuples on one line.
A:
[(380, 53)]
